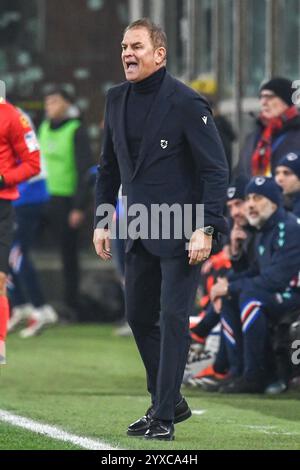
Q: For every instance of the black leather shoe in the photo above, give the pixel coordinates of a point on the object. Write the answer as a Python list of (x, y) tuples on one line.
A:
[(139, 427), (160, 430), (182, 411)]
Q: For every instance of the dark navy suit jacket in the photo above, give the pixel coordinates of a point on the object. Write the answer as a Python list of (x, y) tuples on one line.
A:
[(181, 159)]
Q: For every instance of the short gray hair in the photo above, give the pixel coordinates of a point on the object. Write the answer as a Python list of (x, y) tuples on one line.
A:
[(157, 34)]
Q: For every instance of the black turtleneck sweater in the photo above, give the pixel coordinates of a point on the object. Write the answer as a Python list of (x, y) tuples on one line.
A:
[(140, 99)]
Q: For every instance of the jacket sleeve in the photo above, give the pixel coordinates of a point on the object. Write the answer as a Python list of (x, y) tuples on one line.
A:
[(241, 280), (208, 154), (84, 161), (108, 174), (25, 146), (285, 264)]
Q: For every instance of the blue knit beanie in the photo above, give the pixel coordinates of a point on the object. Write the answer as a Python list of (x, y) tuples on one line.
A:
[(267, 187), (292, 161), (236, 189)]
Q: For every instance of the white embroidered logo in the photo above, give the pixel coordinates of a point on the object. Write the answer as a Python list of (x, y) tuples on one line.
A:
[(291, 157), (164, 144), (260, 180), (231, 192), (204, 119)]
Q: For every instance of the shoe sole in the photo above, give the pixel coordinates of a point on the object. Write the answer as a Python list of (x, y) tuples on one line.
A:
[(169, 439), (137, 433)]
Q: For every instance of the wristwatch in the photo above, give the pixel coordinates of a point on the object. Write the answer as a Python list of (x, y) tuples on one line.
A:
[(208, 230), (1, 182)]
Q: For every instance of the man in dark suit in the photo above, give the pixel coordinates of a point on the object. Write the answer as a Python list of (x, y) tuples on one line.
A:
[(161, 144)]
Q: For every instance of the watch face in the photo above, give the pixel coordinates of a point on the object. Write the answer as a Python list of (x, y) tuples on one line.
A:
[(209, 230)]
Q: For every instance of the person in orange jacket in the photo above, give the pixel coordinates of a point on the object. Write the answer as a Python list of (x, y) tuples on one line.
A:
[(19, 161)]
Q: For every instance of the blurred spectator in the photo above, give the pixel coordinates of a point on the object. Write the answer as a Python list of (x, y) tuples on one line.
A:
[(19, 161), (264, 293), (25, 290), (66, 148), (277, 130), (207, 359), (287, 175), (233, 259)]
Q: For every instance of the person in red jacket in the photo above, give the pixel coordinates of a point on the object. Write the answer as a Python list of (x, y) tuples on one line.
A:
[(19, 161)]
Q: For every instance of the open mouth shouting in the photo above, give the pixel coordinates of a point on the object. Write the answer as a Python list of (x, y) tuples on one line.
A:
[(131, 66)]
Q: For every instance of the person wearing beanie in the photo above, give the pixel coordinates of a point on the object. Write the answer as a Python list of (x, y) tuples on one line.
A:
[(277, 130), (287, 175), (266, 187), (262, 294), (241, 246), (242, 234)]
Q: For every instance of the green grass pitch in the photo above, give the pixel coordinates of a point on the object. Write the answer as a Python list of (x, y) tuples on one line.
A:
[(88, 382)]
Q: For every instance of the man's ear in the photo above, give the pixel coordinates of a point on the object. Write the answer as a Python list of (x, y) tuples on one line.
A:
[(160, 55)]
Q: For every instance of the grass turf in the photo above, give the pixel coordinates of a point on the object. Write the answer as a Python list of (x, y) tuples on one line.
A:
[(91, 383)]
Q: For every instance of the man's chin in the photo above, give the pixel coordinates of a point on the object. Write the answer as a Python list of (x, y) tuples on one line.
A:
[(131, 76), (254, 222)]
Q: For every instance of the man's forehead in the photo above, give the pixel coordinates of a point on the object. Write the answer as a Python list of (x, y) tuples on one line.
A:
[(256, 196), (286, 169), (135, 35)]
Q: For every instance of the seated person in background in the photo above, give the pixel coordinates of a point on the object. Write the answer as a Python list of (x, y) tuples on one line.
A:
[(287, 175), (262, 294), (234, 258)]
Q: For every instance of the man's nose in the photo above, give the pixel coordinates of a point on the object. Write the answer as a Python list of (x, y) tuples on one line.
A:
[(234, 213), (127, 53)]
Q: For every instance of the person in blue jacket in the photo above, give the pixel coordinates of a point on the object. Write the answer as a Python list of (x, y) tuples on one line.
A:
[(287, 175), (262, 294)]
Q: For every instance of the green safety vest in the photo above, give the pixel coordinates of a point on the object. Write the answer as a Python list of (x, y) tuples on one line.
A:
[(58, 149)]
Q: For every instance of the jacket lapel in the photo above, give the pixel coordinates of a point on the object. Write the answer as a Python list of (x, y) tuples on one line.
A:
[(160, 108)]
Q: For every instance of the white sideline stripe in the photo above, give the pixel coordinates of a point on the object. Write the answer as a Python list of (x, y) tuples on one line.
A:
[(53, 432), (198, 412), (271, 430)]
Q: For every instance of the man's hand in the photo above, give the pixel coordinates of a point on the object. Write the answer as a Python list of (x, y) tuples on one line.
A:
[(220, 289), (76, 218), (102, 243), (237, 236), (206, 267), (199, 247), (217, 304)]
